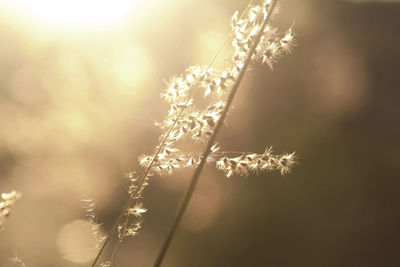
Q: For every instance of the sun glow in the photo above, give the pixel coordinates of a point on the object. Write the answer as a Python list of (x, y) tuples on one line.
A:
[(74, 13)]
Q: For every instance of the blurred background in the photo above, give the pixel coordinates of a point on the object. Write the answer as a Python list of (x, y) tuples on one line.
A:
[(79, 94)]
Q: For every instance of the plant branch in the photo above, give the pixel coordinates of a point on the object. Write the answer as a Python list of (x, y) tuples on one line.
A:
[(207, 151), (141, 181), (134, 195)]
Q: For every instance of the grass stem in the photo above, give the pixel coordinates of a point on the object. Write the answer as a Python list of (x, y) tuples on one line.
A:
[(210, 143)]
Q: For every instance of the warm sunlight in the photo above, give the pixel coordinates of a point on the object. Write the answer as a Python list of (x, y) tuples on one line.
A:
[(199, 133), (74, 13)]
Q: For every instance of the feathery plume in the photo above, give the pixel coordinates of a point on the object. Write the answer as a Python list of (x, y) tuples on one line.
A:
[(191, 119), (89, 206), (18, 260), (6, 205)]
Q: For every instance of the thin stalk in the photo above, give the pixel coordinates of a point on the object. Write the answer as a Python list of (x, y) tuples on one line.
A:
[(163, 143), (210, 143), (134, 195), (171, 128)]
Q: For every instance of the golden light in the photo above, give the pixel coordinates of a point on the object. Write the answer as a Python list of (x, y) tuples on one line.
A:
[(76, 242), (74, 13)]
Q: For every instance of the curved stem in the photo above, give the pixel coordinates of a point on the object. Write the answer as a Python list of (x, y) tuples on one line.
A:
[(170, 129), (207, 151), (138, 189), (141, 181), (134, 195), (163, 143)]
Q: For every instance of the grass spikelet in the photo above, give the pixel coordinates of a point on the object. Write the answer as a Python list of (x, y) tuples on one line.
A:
[(188, 118), (89, 206), (17, 259), (6, 205)]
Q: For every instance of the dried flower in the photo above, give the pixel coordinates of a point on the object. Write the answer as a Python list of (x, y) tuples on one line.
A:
[(191, 119), (17, 260), (6, 206), (272, 44), (89, 206), (137, 210), (106, 264), (258, 163)]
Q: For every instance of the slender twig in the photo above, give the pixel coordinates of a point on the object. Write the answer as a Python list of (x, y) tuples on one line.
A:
[(220, 154), (134, 195), (207, 151), (163, 143), (138, 188), (176, 120), (143, 178)]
